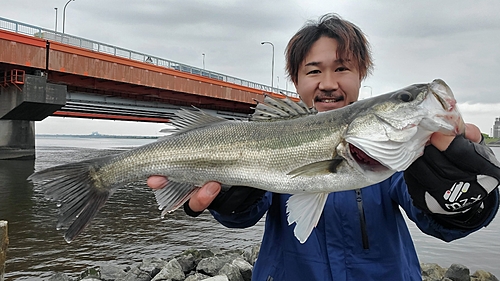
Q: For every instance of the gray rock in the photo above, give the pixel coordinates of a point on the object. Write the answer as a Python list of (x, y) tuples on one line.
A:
[(251, 254), (458, 272), (187, 262), (152, 265), (232, 272), (211, 266), (197, 277), (91, 273), (171, 271), (432, 272), (197, 254), (59, 277), (217, 278), (481, 275), (244, 267), (216, 251), (136, 274), (111, 272)]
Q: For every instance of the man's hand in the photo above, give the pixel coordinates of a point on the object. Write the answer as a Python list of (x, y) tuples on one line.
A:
[(199, 201), (441, 141), (454, 178)]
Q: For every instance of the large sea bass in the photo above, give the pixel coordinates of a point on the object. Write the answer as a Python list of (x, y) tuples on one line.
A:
[(284, 148)]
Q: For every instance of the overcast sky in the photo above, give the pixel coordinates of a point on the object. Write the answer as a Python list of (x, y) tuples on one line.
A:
[(412, 42)]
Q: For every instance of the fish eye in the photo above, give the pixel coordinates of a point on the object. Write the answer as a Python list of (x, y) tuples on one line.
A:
[(405, 97)]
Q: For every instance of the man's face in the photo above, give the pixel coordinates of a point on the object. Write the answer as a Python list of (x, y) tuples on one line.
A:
[(325, 82)]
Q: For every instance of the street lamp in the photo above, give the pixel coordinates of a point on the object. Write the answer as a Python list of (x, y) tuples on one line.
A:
[(203, 60), (370, 90), (55, 29), (64, 14), (272, 65)]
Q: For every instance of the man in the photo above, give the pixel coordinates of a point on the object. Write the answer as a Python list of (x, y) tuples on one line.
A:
[(361, 234)]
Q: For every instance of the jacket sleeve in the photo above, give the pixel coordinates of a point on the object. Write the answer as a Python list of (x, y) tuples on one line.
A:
[(246, 218), (425, 221)]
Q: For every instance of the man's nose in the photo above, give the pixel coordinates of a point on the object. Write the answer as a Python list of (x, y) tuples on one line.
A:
[(328, 82)]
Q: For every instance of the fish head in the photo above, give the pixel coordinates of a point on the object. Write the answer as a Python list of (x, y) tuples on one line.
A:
[(390, 131)]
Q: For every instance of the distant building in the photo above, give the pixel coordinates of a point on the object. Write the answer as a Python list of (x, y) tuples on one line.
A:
[(496, 128)]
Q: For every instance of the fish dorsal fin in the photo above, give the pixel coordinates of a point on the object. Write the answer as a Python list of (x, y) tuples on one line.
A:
[(272, 109), (186, 120), (305, 209)]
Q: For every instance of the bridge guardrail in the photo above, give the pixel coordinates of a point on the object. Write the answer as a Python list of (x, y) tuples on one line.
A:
[(47, 34)]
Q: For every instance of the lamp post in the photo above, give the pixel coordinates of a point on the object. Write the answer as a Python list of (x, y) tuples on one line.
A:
[(203, 60), (272, 65), (64, 14), (55, 29), (370, 90)]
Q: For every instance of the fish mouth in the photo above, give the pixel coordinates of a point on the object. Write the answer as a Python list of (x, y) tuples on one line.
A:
[(365, 161)]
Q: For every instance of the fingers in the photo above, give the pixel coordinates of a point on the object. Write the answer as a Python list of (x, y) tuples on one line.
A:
[(157, 182), (204, 196), (441, 141), (473, 133)]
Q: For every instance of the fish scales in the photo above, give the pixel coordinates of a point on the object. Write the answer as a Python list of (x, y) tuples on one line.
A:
[(252, 148)]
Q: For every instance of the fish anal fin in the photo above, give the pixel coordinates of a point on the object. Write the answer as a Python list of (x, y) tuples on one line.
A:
[(317, 168), (305, 209), (173, 195)]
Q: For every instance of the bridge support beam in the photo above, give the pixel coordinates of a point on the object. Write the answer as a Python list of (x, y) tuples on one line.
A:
[(22, 103)]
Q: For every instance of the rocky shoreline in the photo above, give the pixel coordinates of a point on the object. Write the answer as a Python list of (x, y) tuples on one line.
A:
[(233, 265)]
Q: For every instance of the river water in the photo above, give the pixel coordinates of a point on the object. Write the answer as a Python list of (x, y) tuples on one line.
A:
[(129, 227)]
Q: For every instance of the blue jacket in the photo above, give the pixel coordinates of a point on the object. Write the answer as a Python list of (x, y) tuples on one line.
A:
[(344, 245)]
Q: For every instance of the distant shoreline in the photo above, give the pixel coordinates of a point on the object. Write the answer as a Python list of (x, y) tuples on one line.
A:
[(95, 136)]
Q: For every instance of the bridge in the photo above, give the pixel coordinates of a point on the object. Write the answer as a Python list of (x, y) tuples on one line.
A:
[(45, 73)]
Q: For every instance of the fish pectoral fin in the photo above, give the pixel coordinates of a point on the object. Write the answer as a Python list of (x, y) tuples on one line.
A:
[(304, 209), (317, 168), (173, 195)]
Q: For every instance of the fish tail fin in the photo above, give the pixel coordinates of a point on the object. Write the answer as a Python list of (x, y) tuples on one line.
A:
[(78, 191)]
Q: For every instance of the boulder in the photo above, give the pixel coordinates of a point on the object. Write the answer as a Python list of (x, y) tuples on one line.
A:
[(111, 272), (172, 271), (458, 272), (232, 272)]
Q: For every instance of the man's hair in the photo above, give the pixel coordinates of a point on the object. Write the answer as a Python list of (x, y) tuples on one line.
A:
[(352, 44)]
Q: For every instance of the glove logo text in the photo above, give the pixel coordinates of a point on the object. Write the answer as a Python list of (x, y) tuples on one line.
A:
[(453, 196)]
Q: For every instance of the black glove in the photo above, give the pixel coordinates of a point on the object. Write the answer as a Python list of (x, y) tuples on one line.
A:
[(454, 185), (234, 199)]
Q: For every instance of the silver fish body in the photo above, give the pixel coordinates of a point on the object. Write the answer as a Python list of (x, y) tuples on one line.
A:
[(285, 148)]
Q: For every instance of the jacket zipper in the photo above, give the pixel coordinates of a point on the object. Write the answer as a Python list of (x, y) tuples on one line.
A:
[(362, 220)]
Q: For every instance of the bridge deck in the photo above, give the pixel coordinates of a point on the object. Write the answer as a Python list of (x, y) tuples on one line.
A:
[(86, 71)]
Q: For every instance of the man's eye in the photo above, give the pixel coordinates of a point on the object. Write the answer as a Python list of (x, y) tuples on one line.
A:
[(313, 71), (342, 68)]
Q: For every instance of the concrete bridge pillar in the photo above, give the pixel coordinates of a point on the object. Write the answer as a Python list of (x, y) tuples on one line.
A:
[(24, 100), (17, 139)]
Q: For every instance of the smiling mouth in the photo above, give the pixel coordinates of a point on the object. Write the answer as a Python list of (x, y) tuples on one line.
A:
[(329, 99)]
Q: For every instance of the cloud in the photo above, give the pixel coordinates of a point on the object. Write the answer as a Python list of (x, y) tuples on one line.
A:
[(412, 41)]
